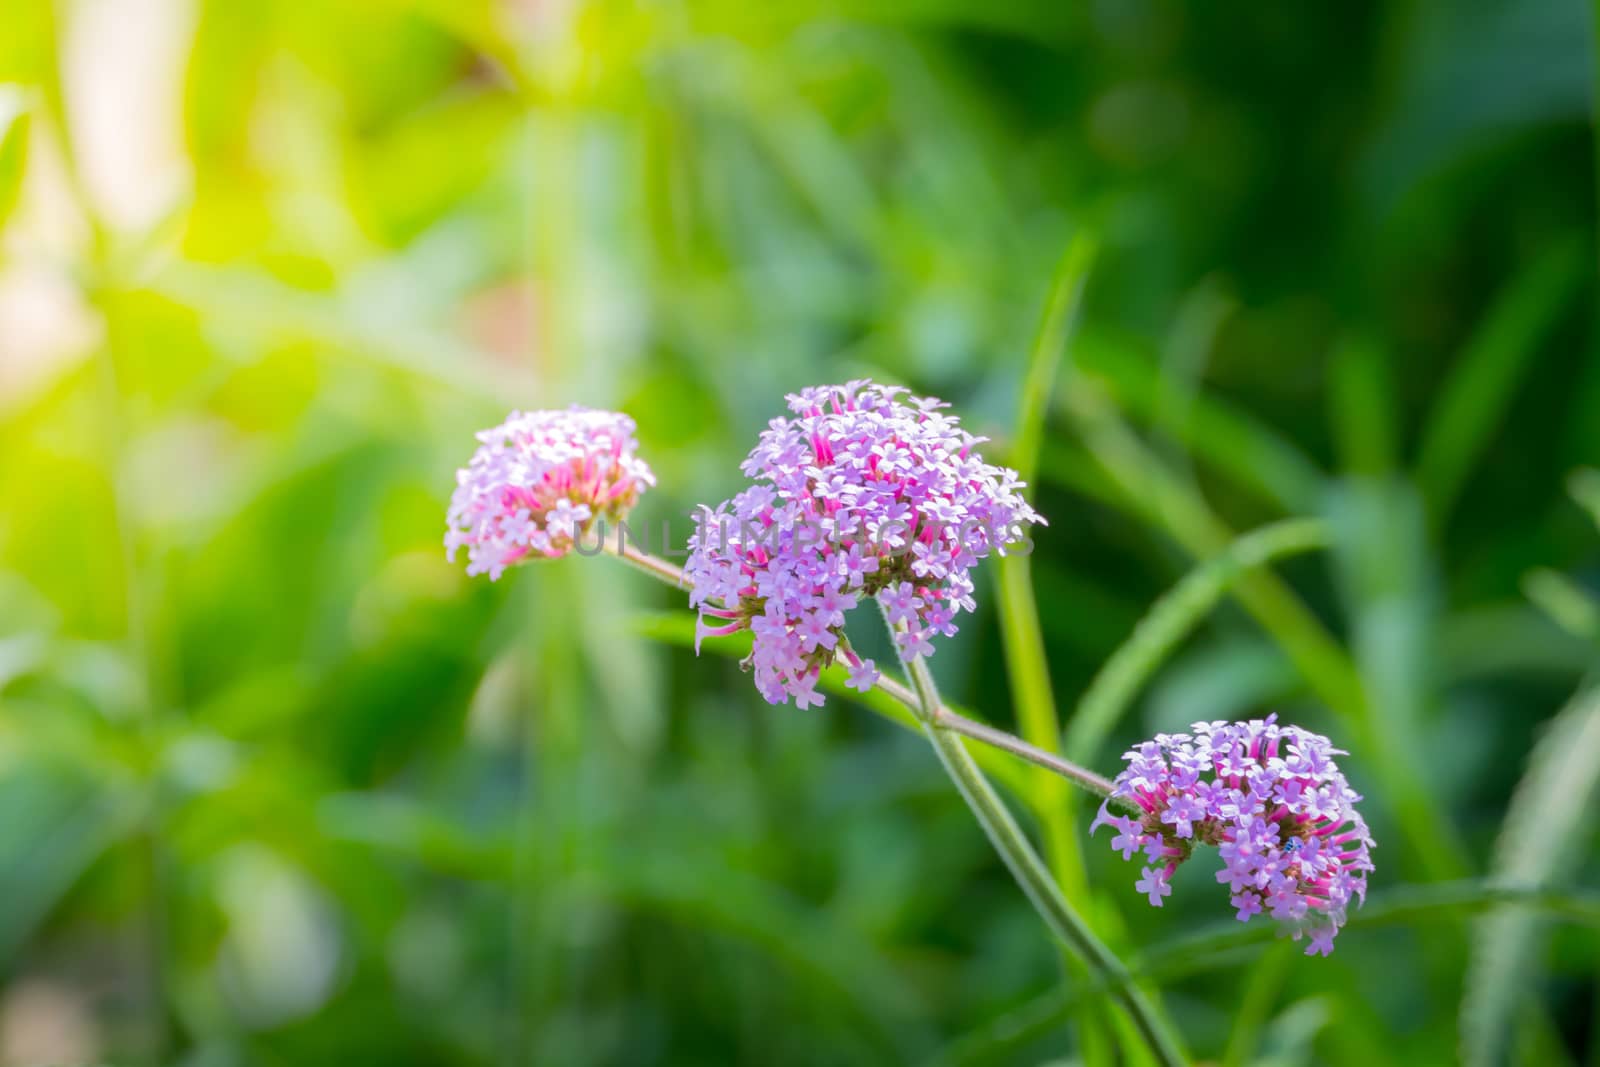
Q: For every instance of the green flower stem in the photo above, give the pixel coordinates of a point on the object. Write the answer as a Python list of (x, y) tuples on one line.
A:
[(654, 566), (945, 728), (943, 717), (1030, 872)]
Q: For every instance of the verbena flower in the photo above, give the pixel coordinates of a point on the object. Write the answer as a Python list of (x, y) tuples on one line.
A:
[(541, 480), (867, 492), (1272, 801)]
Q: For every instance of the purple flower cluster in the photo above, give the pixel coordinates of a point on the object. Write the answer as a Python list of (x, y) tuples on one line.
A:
[(538, 482), (866, 492), (1273, 802)]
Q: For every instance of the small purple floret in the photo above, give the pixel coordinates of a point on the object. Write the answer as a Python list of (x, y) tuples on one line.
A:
[(866, 492), (538, 482), (1274, 803)]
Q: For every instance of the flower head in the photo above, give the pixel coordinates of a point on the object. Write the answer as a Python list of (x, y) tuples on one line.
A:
[(538, 482), (1273, 802), (866, 492)]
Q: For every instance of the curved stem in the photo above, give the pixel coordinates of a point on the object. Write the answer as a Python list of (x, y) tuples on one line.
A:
[(945, 729), (654, 566), (1030, 873), (944, 717), (981, 732)]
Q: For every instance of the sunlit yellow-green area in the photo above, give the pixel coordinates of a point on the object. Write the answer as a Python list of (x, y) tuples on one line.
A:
[(1286, 310)]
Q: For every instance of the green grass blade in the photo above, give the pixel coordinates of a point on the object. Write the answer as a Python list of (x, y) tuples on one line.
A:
[(1553, 809), (1227, 943), (1386, 577), (1162, 499), (14, 120), (1584, 487), (1564, 602), (1363, 412), (1037, 883), (1252, 456), (1263, 987), (1174, 617), (1027, 666), (1154, 494), (1049, 348), (1497, 357)]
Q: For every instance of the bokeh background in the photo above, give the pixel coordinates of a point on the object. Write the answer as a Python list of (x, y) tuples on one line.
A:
[(278, 785)]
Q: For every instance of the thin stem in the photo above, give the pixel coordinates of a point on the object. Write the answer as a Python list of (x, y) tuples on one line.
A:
[(654, 566), (944, 717), (945, 729), (1030, 872)]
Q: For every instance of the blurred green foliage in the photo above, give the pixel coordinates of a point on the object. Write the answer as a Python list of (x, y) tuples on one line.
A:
[(284, 787)]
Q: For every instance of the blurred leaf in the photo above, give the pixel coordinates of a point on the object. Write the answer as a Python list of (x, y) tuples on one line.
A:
[(1500, 353), (1149, 489), (1509, 639), (1553, 811), (59, 823), (1027, 667), (659, 871), (1363, 407), (1228, 678), (1566, 603), (239, 301), (1477, 73), (29, 49), (14, 120), (1049, 349), (1293, 1034), (1252, 455), (1170, 620), (281, 953), (1386, 580), (676, 628), (1584, 487), (1265, 985), (1228, 944)]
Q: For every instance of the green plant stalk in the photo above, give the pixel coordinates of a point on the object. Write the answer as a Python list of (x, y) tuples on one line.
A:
[(1052, 803), (1023, 643), (1227, 944), (945, 728), (654, 566), (1030, 873), (945, 717), (1012, 774), (1049, 346), (1026, 666), (1039, 724)]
